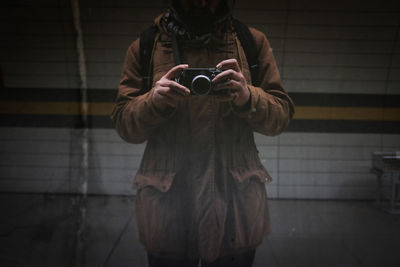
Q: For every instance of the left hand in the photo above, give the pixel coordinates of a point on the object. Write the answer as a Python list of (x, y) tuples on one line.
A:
[(232, 80)]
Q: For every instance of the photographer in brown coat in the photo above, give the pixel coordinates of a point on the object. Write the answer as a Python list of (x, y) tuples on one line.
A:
[(201, 186)]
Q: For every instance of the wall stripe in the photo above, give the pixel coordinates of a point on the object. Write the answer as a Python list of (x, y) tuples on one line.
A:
[(347, 113), (104, 109), (344, 126), (108, 95), (55, 108)]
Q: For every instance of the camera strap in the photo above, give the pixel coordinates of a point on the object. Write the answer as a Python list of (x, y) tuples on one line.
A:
[(146, 46), (175, 47)]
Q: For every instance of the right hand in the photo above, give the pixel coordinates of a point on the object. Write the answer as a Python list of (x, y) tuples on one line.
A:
[(167, 92)]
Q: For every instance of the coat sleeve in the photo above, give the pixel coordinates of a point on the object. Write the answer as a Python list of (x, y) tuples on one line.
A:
[(134, 114), (271, 109)]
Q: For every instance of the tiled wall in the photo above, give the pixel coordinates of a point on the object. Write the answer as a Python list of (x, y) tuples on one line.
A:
[(334, 47)]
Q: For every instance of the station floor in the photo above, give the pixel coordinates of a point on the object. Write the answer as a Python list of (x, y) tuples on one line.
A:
[(63, 230)]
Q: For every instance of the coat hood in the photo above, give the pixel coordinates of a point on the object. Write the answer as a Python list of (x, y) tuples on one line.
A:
[(199, 32)]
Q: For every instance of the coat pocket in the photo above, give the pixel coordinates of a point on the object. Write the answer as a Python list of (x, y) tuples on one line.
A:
[(159, 218), (243, 175), (162, 181)]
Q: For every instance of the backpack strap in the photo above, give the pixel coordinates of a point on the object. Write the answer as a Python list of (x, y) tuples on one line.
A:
[(249, 46), (146, 46)]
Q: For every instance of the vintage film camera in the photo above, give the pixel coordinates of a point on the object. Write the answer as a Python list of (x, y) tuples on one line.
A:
[(198, 80)]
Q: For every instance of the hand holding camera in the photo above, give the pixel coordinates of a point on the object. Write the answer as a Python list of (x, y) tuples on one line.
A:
[(168, 92), (233, 80), (181, 81)]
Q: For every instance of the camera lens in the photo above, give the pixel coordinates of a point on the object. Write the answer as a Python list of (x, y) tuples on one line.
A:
[(201, 85)]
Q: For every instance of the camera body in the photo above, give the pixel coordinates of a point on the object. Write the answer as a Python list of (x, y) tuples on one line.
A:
[(198, 80)]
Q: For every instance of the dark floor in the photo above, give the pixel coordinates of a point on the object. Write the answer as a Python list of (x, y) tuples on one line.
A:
[(42, 230)]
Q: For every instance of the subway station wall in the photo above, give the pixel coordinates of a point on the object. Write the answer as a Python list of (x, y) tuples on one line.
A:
[(339, 60)]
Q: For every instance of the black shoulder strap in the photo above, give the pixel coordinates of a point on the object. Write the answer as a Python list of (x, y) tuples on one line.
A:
[(247, 41), (146, 48)]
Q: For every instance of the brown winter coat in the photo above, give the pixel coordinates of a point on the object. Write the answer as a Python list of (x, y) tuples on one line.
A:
[(201, 186)]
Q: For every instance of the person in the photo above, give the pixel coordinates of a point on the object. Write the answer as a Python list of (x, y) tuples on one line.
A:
[(200, 187)]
